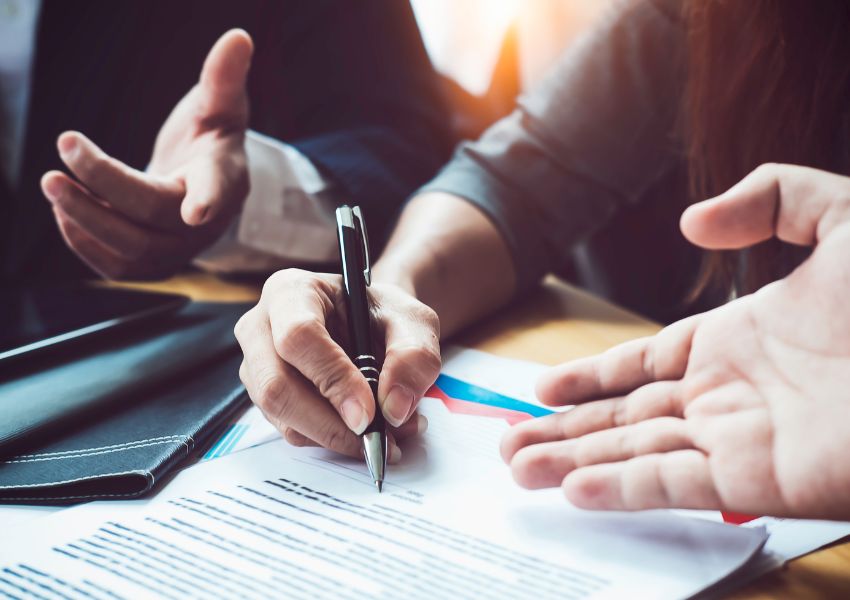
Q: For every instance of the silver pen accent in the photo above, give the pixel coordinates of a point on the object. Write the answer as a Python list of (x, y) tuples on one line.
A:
[(375, 452), (357, 276)]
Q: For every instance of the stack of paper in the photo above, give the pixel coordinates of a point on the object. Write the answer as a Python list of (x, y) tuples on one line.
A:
[(279, 521), (269, 520)]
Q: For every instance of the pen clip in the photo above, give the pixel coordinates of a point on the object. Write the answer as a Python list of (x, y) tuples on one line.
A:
[(367, 267)]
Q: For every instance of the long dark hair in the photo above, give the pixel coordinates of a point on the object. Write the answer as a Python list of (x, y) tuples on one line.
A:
[(768, 81)]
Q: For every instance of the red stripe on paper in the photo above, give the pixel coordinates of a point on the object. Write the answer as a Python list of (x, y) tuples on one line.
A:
[(737, 518), (464, 407)]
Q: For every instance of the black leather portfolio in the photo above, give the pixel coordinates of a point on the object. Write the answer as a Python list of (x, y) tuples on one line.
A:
[(116, 416)]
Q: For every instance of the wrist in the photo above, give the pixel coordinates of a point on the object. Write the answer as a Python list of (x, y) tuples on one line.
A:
[(392, 273)]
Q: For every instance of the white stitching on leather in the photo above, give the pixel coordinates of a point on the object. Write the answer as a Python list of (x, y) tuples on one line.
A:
[(154, 439), (147, 474), (87, 497), (87, 454)]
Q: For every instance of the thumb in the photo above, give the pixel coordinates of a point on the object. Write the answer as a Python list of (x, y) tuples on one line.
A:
[(222, 86), (215, 185), (799, 205), (411, 361)]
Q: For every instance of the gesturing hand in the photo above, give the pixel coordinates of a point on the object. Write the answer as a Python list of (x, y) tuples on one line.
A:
[(298, 374), (126, 223), (743, 408)]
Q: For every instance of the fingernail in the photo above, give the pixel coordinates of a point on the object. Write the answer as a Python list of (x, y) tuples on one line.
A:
[(394, 455), (354, 415), (421, 424), (52, 189), (195, 214), (397, 405), (68, 147)]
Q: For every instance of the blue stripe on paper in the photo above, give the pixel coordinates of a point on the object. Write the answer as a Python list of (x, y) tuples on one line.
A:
[(461, 390)]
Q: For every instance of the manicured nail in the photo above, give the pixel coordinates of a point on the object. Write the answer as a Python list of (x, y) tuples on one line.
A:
[(397, 405), (68, 147), (394, 454), (52, 189), (354, 415)]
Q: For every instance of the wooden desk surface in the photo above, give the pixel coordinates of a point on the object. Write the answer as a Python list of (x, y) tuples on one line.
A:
[(561, 323)]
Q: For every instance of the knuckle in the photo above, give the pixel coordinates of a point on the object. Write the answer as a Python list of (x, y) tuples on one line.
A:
[(769, 171), (624, 412), (284, 277), (292, 280), (268, 395), (426, 314), (272, 282), (564, 424), (297, 336), (639, 443), (647, 360), (240, 330)]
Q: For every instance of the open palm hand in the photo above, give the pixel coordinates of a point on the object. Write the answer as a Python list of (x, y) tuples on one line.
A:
[(742, 408), (125, 223)]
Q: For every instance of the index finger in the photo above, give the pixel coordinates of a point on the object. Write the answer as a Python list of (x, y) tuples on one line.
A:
[(144, 199), (621, 369), (298, 304), (282, 394)]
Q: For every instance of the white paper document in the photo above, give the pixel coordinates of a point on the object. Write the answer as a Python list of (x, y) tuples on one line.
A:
[(277, 521), (246, 431), (12, 514), (788, 538), (514, 378)]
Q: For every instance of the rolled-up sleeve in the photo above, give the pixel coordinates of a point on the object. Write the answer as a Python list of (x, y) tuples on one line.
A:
[(598, 131)]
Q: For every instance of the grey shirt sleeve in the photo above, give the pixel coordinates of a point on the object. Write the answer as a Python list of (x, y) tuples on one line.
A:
[(591, 138)]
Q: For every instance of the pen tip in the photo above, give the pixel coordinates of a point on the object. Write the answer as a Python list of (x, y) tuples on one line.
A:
[(380, 485)]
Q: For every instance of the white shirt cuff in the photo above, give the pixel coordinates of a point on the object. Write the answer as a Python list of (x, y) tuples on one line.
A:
[(287, 218)]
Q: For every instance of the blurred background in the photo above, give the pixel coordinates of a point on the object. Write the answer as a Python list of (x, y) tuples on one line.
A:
[(491, 50)]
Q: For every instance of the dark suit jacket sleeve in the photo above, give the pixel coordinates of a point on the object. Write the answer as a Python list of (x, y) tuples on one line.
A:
[(347, 82), (361, 100)]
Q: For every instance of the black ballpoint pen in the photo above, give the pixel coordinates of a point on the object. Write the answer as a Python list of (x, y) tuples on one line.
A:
[(356, 275)]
